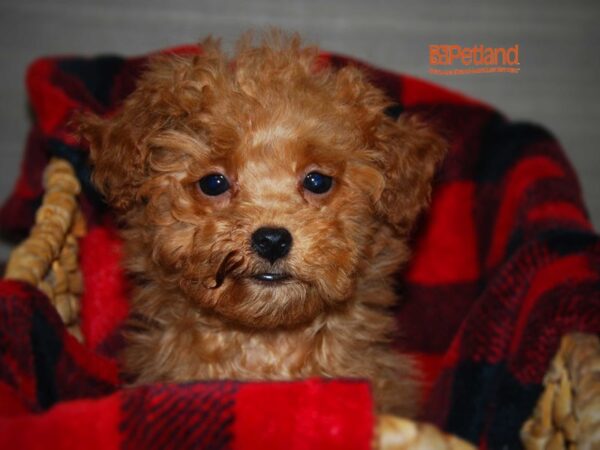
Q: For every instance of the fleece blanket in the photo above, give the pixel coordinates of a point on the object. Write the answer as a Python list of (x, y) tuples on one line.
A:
[(505, 263)]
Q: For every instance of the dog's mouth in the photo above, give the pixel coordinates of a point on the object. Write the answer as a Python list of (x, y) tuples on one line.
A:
[(271, 277), (233, 266)]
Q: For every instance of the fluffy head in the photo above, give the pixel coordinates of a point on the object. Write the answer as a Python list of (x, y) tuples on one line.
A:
[(264, 119)]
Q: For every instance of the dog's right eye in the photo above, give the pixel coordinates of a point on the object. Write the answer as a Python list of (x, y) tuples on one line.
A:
[(214, 184)]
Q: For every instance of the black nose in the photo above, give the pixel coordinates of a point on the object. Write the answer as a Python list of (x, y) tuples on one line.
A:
[(271, 243)]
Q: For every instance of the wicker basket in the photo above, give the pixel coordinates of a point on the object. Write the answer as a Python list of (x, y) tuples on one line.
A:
[(567, 415)]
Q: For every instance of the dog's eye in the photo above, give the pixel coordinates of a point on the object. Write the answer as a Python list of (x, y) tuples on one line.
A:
[(214, 184), (317, 182)]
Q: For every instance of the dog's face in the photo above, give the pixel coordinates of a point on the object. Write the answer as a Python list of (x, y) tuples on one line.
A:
[(259, 189)]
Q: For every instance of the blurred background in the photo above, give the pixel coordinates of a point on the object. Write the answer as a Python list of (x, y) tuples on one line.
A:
[(558, 86)]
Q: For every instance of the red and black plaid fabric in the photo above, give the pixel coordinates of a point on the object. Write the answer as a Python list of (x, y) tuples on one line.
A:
[(505, 263)]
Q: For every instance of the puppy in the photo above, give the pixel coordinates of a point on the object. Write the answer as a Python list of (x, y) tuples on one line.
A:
[(266, 201)]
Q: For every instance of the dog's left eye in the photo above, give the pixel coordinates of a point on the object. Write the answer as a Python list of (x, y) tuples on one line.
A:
[(317, 183), (214, 184)]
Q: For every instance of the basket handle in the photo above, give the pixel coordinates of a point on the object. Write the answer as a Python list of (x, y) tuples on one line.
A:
[(48, 258)]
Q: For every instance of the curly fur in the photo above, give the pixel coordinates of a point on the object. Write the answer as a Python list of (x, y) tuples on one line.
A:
[(264, 118)]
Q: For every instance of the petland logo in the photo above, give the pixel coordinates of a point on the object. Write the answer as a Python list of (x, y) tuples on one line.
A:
[(476, 59)]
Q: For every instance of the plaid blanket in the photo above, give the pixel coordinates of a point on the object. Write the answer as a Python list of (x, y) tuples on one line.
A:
[(505, 263)]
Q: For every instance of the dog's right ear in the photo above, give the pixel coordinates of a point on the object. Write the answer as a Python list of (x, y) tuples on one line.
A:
[(117, 157)]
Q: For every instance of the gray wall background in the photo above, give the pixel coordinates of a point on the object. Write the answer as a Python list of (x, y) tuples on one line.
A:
[(560, 62)]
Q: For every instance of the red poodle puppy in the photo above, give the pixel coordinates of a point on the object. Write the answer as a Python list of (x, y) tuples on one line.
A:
[(266, 201)]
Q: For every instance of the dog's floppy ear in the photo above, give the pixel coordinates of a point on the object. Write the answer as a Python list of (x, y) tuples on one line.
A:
[(116, 156), (406, 150), (410, 152), (170, 89)]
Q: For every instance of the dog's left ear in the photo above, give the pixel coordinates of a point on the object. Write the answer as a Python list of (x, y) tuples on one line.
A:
[(409, 153), (406, 150)]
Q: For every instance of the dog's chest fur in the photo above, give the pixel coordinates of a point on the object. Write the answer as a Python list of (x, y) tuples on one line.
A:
[(349, 346)]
